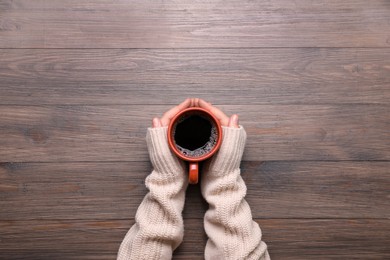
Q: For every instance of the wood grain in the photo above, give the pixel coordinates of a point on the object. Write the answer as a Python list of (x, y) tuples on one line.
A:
[(117, 133), (80, 82), (199, 24), (222, 76), (286, 239), (275, 190)]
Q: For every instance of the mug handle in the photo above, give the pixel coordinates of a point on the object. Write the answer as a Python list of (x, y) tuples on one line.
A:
[(193, 172)]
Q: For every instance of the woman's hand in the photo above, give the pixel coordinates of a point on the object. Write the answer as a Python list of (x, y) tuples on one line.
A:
[(166, 118), (224, 119), (196, 102)]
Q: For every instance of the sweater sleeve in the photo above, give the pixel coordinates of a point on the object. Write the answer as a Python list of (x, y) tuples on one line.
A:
[(228, 222), (158, 228)]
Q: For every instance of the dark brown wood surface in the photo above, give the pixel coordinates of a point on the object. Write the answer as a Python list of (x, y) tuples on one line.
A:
[(80, 82), (243, 76), (194, 24), (275, 189), (287, 238), (117, 133)]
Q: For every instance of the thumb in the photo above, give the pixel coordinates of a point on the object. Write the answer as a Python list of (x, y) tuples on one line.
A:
[(156, 122), (233, 121)]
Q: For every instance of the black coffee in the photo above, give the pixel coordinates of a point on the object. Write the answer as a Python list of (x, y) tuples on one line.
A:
[(195, 135)]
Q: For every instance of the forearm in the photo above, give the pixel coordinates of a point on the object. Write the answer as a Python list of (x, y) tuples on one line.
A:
[(158, 227), (228, 222)]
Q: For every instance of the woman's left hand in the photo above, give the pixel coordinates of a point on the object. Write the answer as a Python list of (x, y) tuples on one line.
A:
[(166, 118)]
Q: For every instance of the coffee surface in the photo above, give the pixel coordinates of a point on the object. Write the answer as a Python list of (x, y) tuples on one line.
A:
[(195, 135), (193, 132)]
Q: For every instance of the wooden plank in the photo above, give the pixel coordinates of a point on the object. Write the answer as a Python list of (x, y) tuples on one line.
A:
[(275, 190), (193, 24), (234, 76), (117, 133), (286, 239)]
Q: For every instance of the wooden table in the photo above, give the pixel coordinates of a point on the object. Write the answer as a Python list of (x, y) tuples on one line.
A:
[(80, 82)]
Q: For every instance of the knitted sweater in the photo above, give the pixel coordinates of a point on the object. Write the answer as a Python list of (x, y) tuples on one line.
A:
[(159, 229)]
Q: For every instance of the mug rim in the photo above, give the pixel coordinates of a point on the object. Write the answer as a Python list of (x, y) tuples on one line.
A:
[(173, 146)]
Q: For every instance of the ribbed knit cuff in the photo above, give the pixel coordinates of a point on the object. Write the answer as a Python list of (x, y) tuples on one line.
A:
[(229, 156), (161, 156)]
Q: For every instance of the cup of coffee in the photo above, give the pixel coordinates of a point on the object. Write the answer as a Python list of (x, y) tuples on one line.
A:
[(194, 135)]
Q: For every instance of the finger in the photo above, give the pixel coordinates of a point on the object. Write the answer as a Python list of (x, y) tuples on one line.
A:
[(224, 119), (156, 122), (193, 102), (233, 121), (196, 104), (203, 103), (173, 111)]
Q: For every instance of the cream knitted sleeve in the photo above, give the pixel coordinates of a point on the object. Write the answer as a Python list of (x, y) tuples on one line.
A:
[(158, 228), (228, 221)]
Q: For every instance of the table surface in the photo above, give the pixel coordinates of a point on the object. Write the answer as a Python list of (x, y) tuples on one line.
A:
[(80, 82)]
